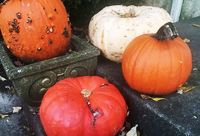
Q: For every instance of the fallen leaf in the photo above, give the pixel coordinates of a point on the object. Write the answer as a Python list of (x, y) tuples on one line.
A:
[(127, 114), (16, 109), (196, 25), (18, 63), (106, 78), (12, 92), (4, 115), (2, 78), (8, 87), (195, 69), (186, 40), (133, 131), (144, 96), (29, 130), (182, 89), (194, 117)]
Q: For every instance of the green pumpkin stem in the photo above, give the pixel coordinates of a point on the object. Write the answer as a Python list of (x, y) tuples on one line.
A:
[(166, 32)]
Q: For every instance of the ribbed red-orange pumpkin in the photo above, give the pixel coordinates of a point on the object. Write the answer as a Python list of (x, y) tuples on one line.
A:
[(83, 106), (35, 30), (157, 63)]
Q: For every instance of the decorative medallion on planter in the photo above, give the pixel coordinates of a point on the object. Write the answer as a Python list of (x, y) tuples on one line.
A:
[(31, 81)]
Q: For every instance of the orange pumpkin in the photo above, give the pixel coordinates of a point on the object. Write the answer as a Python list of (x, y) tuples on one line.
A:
[(35, 30), (83, 106), (157, 63)]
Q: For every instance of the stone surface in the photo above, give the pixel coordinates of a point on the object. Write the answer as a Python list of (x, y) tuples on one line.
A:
[(179, 113), (190, 9), (11, 124)]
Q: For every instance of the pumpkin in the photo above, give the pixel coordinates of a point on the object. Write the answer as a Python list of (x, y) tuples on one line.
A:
[(158, 63), (112, 29), (35, 30), (83, 106)]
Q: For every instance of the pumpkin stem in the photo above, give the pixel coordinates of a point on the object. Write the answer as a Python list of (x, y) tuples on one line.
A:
[(166, 32), (86, 94), (130, 14)]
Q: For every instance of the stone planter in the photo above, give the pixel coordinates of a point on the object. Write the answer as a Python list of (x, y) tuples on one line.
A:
[(31, 81)]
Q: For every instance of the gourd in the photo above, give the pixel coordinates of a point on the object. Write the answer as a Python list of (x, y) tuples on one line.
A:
[(114, 27), (83, 106), (35, 30), (158, 63)]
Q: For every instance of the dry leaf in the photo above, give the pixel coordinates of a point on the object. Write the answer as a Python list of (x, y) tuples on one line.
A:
[(194, 117), (12, 92), (133, 131), (16, 109), (196, 25), (4, 115), (106, 78), (195, 69), (186, 40), (182, 90), (2, 78), (144, 96)]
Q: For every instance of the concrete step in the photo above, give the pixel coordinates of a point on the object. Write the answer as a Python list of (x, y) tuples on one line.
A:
[(179, 114), (11, 124)]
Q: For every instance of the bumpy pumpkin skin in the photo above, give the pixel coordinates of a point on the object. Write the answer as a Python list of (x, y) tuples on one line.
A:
[(35, 30), (65, 112), (156, 67), (114, 27)]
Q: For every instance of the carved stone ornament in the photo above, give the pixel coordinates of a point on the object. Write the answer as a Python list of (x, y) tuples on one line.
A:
[(31, 81)]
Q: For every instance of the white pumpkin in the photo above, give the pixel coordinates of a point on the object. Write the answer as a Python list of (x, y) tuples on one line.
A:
[(114, 27)]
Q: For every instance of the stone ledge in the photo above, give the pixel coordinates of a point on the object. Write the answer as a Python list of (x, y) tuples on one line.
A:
[(174, 116)]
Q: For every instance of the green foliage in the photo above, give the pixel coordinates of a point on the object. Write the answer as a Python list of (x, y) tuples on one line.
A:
[(81, 11), (77, 3)]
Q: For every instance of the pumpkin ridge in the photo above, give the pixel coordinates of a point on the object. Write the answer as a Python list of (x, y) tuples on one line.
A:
[(59, 106), (105, 93), (102, 42), (181, 68), (170, 79), (105, 103), (180, 41), (158, 67), (137, 57), (167, 83), (149, 55), (75, 84), (180, 58), (63, 90), (160, 70), (82, 122), (108, 37), (49, 104), (125, 57), (166, 32)]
